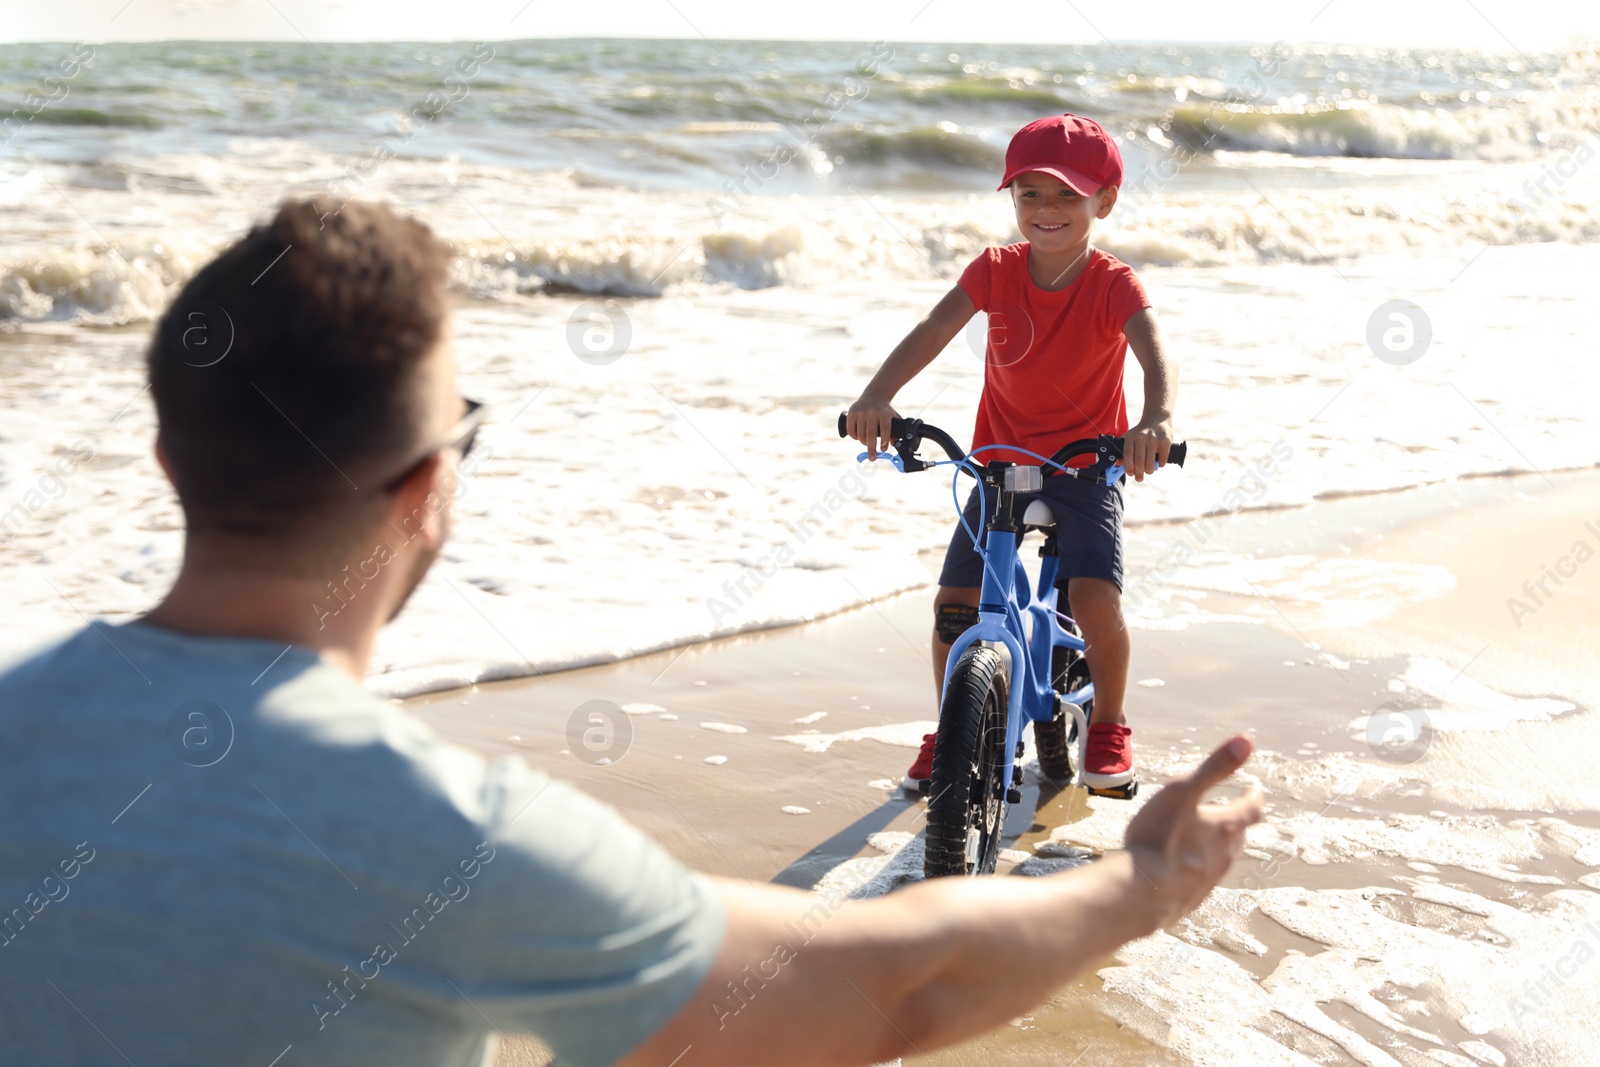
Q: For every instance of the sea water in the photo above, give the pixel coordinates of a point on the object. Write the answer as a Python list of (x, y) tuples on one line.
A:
[(677, 262)]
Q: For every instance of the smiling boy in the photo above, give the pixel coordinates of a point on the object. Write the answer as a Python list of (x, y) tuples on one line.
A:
[(1062, 316)]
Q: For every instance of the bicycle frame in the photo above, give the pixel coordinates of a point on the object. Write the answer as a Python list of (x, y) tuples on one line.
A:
[(1000, 608), (1006, 594)]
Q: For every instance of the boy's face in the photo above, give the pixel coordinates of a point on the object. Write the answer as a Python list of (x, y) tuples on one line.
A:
[(1052, 216)]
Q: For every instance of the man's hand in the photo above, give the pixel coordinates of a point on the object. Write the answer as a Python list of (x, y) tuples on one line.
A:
[(868, 422), (1146, 445), (1180, 849)]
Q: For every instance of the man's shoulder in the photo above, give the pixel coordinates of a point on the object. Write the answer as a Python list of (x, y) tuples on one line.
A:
[(133, 699), (20, 666), (114, 676)]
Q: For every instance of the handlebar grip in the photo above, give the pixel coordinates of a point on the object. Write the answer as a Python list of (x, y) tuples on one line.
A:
[(1176, 454), (897, 427)]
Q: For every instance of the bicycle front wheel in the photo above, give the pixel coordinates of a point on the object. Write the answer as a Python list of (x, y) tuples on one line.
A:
[(966, 806)]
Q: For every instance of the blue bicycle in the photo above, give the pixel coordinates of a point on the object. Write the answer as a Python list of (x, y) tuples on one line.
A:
[(999, 676)]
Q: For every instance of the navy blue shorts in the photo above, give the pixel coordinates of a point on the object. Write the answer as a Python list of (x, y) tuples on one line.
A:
[(1088, 532)]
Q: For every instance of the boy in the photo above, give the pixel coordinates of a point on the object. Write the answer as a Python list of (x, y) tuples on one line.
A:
[(1062, 316)]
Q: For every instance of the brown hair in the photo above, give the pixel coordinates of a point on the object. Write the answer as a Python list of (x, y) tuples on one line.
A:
[(285, 374)]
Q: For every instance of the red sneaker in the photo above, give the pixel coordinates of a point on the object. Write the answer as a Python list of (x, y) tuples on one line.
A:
[(1109, 761), (916, 779)]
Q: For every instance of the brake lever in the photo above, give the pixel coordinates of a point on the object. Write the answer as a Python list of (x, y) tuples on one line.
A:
[(1116, 472), (892, 457)]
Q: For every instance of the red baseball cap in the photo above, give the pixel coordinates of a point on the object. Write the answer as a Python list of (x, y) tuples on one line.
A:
[(1068, 147)]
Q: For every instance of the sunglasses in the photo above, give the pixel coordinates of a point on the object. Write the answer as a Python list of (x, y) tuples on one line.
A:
[(459, 438)]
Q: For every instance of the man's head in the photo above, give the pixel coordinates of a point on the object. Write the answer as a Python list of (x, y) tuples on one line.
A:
[(1063, 172), (302, 380)]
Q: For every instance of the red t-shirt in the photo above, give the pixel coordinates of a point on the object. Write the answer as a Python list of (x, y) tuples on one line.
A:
[(1054, 360)]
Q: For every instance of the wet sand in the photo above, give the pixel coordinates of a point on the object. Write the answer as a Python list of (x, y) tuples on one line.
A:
[(1297, 684)]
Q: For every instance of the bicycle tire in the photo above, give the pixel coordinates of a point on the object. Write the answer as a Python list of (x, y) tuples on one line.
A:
[(1054, 739), (966, 806)]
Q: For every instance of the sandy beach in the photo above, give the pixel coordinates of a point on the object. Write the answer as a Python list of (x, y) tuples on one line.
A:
[(1479, 840)]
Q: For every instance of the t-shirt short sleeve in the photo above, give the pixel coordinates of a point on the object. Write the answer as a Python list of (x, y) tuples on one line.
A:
[(977, 279), (1125, 295), (587, 932)]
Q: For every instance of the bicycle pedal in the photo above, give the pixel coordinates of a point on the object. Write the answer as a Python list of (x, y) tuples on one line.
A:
[(1120, 792)]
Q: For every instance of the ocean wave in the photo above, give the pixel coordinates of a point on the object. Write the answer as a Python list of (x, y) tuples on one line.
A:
[(90, 286), (1009, 91), (88, 116), (722, 240), (1427, 129), (941, 146)]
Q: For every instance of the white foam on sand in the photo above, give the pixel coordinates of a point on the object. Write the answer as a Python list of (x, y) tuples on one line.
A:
[(1511, 977), (898, 860), (1491, 749), (1514, 979), (1463, 703), (900, 734), (1414, 970), (1223, 919), (724, 728), (1315, 593), (1580, 842), (1323, 778), (1479, 843)]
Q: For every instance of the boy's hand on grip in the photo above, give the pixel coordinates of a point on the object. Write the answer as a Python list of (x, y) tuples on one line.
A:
[(1146, 445), (868, 421)]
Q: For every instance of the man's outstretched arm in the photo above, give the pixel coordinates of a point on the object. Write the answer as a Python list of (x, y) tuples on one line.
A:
[(799, 981)]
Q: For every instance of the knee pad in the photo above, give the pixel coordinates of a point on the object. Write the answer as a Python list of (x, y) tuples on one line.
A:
[(953, 620)]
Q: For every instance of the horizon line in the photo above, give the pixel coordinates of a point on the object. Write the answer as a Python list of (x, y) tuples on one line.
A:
[(1103, 42)]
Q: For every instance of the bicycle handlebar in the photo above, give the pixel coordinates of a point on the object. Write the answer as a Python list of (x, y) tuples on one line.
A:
[(912, 431), (908, 433)]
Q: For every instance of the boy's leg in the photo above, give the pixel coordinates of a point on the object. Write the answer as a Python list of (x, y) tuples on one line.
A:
[(1096, 605), (955, 607), (1089, 541), (948, 625), (944, 628)]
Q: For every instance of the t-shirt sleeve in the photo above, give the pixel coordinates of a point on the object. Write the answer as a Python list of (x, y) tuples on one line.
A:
[(1126, 296), (587, 933), (976, 279)]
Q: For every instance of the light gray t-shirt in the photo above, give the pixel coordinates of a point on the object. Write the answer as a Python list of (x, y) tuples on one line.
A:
[(208, 857)]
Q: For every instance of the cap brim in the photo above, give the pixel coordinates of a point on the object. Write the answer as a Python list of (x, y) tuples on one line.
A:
[(1078, 183)]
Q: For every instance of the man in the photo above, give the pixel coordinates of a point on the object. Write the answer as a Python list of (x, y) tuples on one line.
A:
[(219, 848)]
